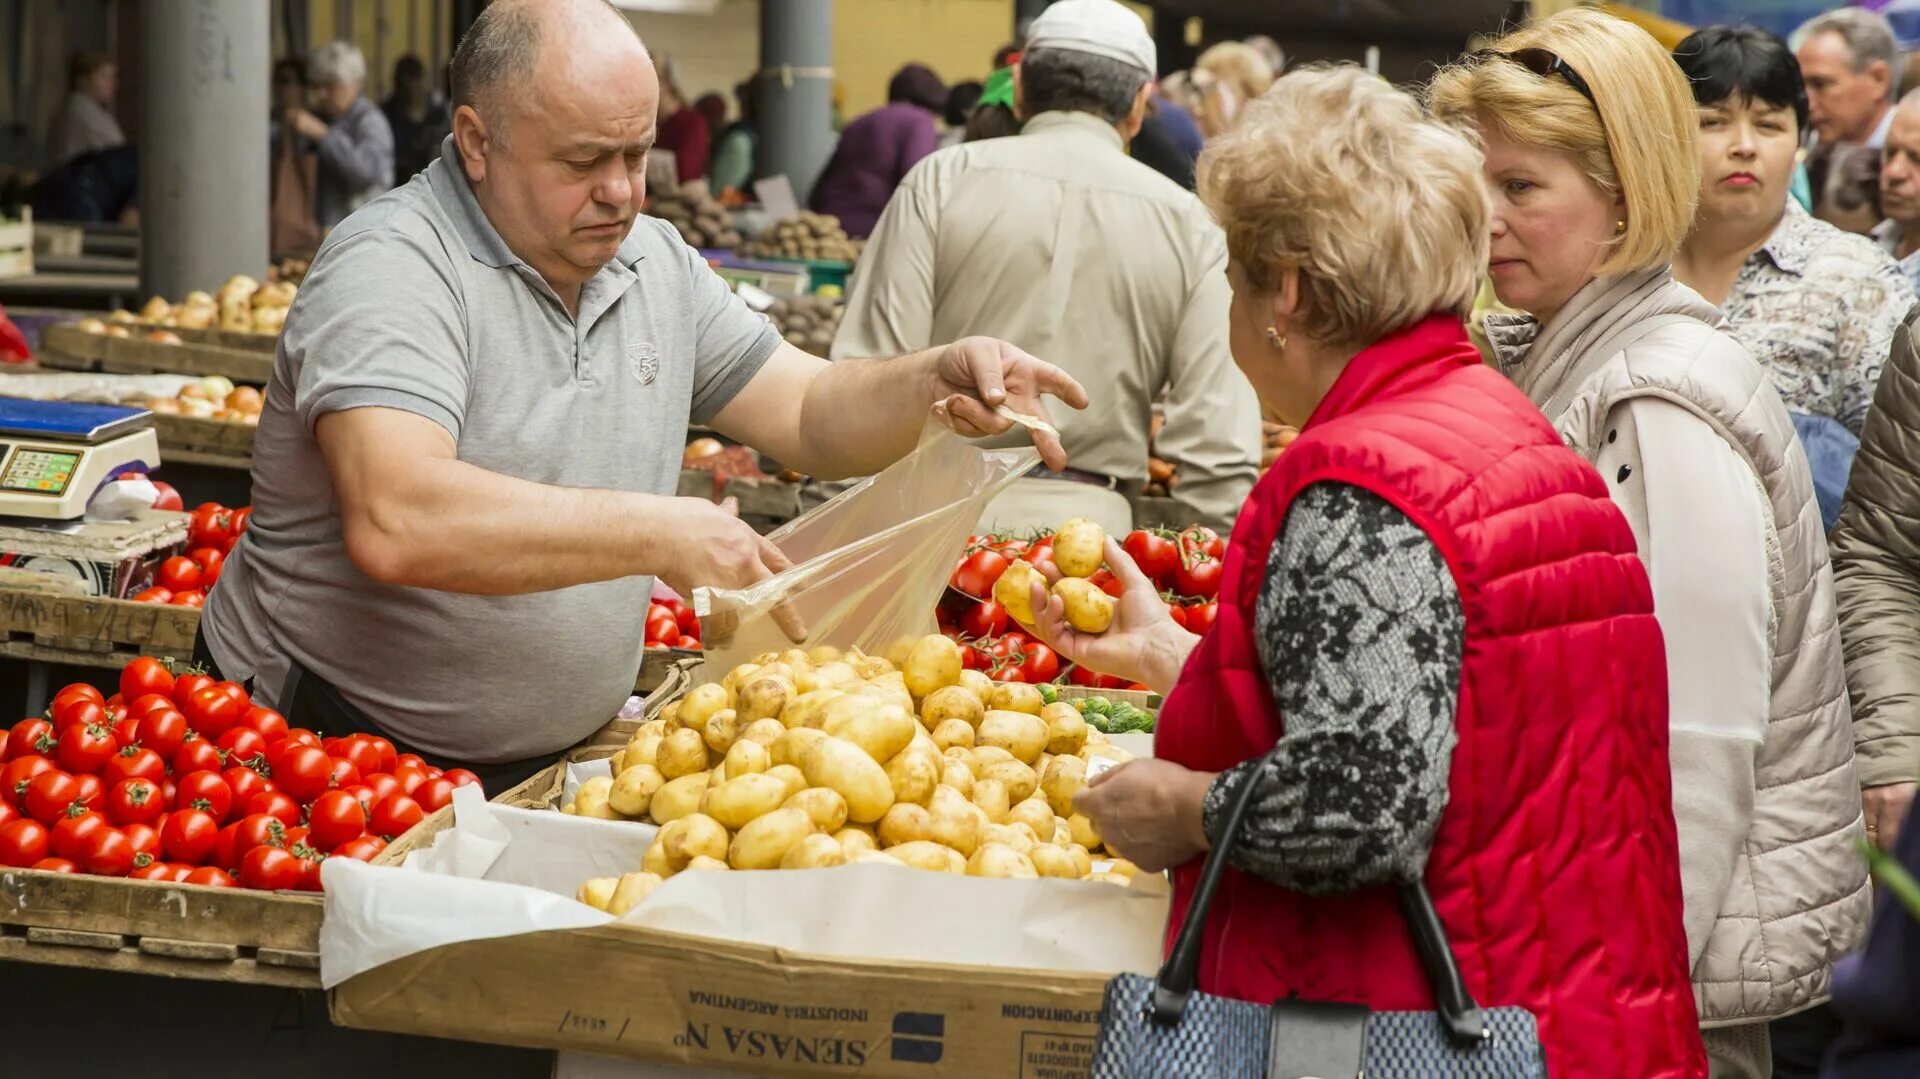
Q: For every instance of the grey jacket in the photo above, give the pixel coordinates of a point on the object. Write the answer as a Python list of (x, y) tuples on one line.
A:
[(356, 162)]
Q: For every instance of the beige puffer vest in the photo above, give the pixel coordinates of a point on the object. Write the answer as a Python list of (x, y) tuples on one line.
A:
[(1799, 897)]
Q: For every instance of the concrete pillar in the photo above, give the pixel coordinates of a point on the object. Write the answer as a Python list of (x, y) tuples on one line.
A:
[(1024, 12), (795, 110), (203, 145)]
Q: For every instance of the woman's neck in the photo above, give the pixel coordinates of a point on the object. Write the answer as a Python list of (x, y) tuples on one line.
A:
[(1710, 259)]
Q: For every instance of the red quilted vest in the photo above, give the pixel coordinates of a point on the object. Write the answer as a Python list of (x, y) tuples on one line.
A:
[(1555, 866)]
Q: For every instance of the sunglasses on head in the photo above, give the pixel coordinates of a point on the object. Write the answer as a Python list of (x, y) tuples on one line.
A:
[(1546, 65)]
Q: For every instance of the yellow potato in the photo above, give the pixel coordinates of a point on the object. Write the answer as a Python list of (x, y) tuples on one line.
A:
[(816, 851), (1079, 548), (677, 797), (766, 840), (830, 675), (634, 788), (928, 855), (897, 650), (1016, 836), (1107, 878), (618, 762), (953, 732), (880, 857), (1082, 860), (980, 756), (722, 730), (704, 862), (868, 667), (793, 745), (591, 799), (1061, 781), (1051, 861), (883, 731), (823, 654), (854, 840), (933, 663), (666, 720), (1123, 868), (598, 892), (1020, 779), (631, 891), (736, 678), (763, 731), (904, 823), (1014, 590), (995, 860), (744, 798), (747, 757), (990, 795), (1062, 835), (1036, 814), (824, 807), (951, 703), (699, 703), (1088, 609), (923, 742), (833, 762), (655, 861), (1066, 728), (960, 753), (765, 697), (682, 753), (718, 775), (913, 773), (693, 834), (791, 775), (1083, 832), (1022, 734), (957, 775), (570, 809), (957, 827), (643, 749), (1015, 697), (807, 710)]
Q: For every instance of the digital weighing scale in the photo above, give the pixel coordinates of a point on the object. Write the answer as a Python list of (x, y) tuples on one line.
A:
[(54, 455)]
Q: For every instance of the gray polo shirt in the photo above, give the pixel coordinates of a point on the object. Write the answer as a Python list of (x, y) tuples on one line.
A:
[(415, 303)]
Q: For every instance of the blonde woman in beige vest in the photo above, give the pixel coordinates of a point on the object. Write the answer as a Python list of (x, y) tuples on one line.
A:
[(1589, 129)]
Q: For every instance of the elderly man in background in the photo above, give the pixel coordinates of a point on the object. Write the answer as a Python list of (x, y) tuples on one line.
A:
[(351, 134), (1056, 239), (1847, 58), (1899, 234)]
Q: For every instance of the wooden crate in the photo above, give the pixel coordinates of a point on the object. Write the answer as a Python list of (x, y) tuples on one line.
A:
[(249, 342), (74, 349), (16, 246), (92, 632), (660, 665), (196, 441), (149, 927)]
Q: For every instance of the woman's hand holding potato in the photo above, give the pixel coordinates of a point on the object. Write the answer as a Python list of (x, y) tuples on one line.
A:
[(1143, 644)]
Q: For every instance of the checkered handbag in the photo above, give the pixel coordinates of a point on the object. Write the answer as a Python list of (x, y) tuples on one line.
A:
[(1161, 1028)]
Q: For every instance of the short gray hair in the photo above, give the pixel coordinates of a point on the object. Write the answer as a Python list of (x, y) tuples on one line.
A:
[(337, 63), (1866, 33), (502, 48), (1064, 80)]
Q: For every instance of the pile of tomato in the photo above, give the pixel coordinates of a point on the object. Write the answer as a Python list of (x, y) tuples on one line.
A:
[(185, 779), (671, 623), (1183, 565), (183, 580)]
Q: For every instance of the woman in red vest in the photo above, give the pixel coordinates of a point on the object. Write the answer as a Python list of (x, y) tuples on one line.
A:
[(1435, 649)]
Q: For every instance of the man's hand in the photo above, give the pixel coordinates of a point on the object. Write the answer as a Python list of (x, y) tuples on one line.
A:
[(1885, 807), (306, 123), (976, 375), (710, 546), (1150, 812)]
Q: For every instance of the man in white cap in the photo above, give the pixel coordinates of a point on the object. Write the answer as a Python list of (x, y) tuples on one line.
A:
[(1058, 241)]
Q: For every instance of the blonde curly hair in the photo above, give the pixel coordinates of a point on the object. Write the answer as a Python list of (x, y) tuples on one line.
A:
[(1383, 211)]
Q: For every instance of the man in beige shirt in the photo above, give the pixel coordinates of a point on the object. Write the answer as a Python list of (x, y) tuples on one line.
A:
[(1058, 241)]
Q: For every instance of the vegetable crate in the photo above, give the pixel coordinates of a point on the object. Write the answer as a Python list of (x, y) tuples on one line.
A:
[(197, 441), (16, 246), (71, 348), (90, 631)]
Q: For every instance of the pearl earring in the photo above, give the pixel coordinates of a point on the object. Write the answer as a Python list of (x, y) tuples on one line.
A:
[(1619, 227)]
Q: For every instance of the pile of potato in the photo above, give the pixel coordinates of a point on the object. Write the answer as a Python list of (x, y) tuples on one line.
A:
[(701, 221), (806, 236), (808, 322), (242, 305), (806, 760), (210, 398)]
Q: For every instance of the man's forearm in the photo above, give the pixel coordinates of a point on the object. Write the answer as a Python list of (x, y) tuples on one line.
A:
[(859, 416)]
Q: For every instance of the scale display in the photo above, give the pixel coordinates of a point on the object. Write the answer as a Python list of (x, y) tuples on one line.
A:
[(42, 472)]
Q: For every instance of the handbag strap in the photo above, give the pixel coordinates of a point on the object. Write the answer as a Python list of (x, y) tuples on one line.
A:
[(1465, 1023)]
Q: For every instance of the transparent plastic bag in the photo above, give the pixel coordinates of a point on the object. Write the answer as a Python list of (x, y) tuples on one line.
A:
[(870, 564)]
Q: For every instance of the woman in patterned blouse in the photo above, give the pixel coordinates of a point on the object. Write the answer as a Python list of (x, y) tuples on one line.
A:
[(1815, 305)]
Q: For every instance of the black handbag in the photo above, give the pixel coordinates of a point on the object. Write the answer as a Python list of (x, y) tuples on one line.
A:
[(1161, 1028)]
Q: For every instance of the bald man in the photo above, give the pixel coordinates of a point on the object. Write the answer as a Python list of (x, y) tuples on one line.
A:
[(463, 477)]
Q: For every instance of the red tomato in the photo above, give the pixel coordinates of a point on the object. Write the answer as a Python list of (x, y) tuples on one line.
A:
[(146, 704), (195, 598), (336, 817), (269, 869), (226, 848), (9, 813), (245, 783), (212, 711), (361, 793), (210, 526), (210, 877), (1010, 549), (145, 676), (460, 777), (985, 618), (364, 848), (92, 791), (189, 835), (360, 750), (409, 758), (167, 791), (663, 631), (341, 773), (155, 871), (133, 762), (55, 865), (242, 745), (1200, 617), (1011, 674), (1082, 676), (260, 830), (270, 724), (29, 737), (210, 561), (1041, 664), (23, 842), (69, 705), (87, 748), (384, 786), (206, 791), (388, 758), (978, 571), (127, 732), (1200, 580), (688, 622), (1105, 581), (1041, 551), (71, 834), (178, 574), (275, 804), (78, 712), (433, 794), (187, 685), (134, 801), (162, 730), (300, 736), (146, 843), (394, 816), (302, 771), (309, 861), (973, 659), (166, 497), (1156, 556), (153, 595), (1178, 614), (196, 754), (242, 520), (689, 645)]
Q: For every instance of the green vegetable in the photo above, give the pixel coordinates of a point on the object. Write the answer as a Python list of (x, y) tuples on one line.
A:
[(1049, 693), (1099, 706)]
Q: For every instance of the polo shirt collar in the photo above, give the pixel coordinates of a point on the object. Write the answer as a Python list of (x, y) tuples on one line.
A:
[(483, 241)]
